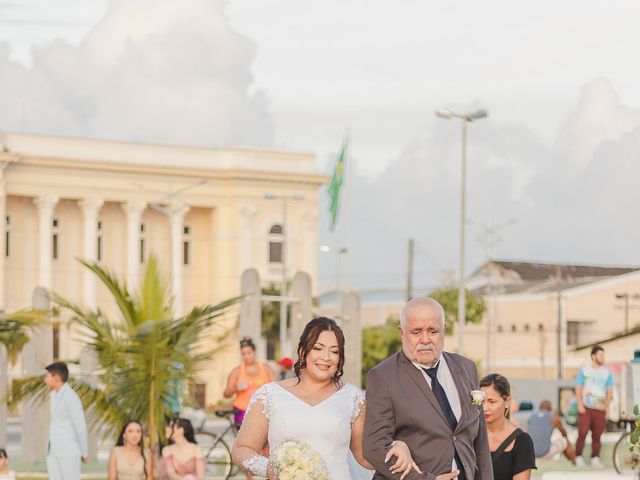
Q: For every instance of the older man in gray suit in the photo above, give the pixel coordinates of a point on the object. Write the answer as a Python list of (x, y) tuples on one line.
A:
[(67, 427), (422, 395)]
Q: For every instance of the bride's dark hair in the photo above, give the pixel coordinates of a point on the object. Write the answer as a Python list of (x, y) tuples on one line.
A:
[(309, 338)]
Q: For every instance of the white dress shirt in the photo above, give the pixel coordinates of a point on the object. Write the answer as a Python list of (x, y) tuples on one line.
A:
[(446, 381)]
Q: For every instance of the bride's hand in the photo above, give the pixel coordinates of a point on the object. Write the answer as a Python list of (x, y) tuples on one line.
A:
[(404, 462)]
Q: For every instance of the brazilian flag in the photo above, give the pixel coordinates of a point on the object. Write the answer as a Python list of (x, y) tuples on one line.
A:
[(335, 185)]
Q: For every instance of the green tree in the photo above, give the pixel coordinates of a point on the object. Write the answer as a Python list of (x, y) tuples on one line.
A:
[(378, 342), (145, 356), (448, 298), (15, 329)]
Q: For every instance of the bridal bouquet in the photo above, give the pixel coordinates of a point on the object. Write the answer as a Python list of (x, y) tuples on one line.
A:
[(296, 461)]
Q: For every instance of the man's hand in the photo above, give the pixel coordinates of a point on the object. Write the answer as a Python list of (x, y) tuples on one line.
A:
[(85, 459), (581, 408), (448, 476)]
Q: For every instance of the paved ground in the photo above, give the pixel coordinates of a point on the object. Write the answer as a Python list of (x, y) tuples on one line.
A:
[(558, 469)]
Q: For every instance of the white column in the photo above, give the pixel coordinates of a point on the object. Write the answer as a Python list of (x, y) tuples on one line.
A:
[(247, 212), (3, 226), (90, 208), (176, 222), (46, 204), (133, 209)]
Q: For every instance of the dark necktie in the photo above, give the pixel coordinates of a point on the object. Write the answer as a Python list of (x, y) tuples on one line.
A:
[(441, 396)]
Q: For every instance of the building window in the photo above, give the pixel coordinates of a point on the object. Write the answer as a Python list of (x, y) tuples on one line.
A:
[(276, 241), (142, 252), (99, 243), (573, 333), (56, 341), (499, 328), (514, 328), (55, 239), (186, 244), (7, 236), (540, 327), (526, 327)]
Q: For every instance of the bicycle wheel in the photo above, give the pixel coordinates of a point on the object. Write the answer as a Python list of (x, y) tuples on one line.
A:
[(625, 461), (218, 455)]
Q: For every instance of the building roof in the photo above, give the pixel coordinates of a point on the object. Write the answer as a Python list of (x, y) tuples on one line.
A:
[(534, 271), (510, 277)]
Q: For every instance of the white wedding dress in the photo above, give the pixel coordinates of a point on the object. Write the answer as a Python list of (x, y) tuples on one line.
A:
[(326, 427)]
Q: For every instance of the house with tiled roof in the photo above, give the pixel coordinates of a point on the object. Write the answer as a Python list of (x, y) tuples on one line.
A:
[(539, 315)]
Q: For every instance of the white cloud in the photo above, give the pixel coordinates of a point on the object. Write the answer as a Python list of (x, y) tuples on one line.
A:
[(567, 211), (150, 71)]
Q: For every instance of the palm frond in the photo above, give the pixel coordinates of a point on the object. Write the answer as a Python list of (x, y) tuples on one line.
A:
[(119, 292)]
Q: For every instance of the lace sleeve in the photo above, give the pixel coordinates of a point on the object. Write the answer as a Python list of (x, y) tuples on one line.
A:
[(358, 404), (265, 397), (256, 465)]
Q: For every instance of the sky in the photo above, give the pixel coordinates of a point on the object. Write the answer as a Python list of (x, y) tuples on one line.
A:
[(557, 159)]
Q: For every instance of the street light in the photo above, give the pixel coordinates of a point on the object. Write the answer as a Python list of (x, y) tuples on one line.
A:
[(466, 118), (283, 292), (338, 252)]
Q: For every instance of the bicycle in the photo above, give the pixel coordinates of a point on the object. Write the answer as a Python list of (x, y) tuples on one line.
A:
[(216, 449), (624, 460)]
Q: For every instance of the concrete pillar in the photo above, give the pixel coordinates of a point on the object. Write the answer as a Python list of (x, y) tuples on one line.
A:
[(46, 205), (251, 310), (301, 309), (90, 208), (352, 327), (133, 209), (3, 226), (247, 212), (176, 224), (37, 354), (4, 384), (88, 365)]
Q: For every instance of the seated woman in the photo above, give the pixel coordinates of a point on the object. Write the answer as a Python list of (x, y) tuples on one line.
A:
[(183, 459), (512, 451), (129, 460), (5, 473)]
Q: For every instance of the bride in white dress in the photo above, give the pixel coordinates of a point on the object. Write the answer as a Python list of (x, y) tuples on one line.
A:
[(315, 407)]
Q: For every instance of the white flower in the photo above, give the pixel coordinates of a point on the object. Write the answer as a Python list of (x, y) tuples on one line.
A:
[(477, 396), (296, 461)]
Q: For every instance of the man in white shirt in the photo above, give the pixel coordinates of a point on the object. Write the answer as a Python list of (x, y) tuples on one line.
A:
[(67, 427)]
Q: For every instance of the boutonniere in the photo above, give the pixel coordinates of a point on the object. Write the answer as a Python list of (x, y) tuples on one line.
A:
[(477, 396)]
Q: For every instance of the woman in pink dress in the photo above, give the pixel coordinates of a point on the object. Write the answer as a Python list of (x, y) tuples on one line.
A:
[(183, 459)]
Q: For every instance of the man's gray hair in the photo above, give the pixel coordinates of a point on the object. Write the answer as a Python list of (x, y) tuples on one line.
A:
[(421, 302)]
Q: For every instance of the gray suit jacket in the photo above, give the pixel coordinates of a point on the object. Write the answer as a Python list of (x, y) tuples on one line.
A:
[(401, 406), (67, 428)]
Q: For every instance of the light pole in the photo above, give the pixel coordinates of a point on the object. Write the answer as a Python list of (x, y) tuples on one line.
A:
[(466, 118), (283, 292), (338, 252)]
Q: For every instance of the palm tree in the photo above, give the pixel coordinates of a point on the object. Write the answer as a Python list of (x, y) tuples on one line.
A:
[(145, 356), (15, 328)]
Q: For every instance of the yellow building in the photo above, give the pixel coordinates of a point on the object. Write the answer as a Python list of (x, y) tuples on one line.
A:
[(540, 315), (206, 214)]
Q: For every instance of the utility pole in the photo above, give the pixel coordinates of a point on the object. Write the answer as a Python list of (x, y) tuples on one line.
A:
[(560, 315), (491, 239), (626, 297), (410, 271)]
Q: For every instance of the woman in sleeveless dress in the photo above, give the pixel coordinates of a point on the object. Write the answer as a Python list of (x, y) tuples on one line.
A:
[(512, 451), (315, 407), (245, 379), (183, 459), (129, 460)]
